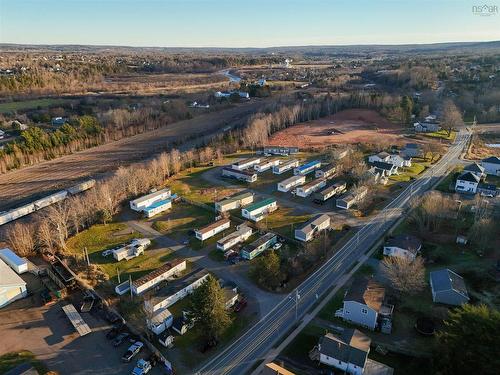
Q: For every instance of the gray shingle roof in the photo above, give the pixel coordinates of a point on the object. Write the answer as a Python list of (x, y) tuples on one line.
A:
[(351, 347), (492, 160), (474, 167), (445, 279), (469, 176)]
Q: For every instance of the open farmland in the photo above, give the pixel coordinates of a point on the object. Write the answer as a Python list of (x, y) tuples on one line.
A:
[(486, 142), (349, 126)]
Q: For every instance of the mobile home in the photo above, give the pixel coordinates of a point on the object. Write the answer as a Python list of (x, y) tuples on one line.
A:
[(266, 165), (18, 264), (307, 168), (312, 227), (135, 248), (290, 183), (331, 191), (160, 274), (286, 166), (311, 187), (277, 150), (141, 203), (212, 229), (233, 202), (255, 248), (241, 234), (246, 163), (326, 172), (258, 210), (351, 198), (12, 287), (241, 175), (157, 207)]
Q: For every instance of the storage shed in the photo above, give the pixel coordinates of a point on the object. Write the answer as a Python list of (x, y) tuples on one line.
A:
[(15, 262)]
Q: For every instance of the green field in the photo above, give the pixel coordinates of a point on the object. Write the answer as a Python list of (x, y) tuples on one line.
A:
[(10, 360), (284, 221), (31, 104), (443, 134)]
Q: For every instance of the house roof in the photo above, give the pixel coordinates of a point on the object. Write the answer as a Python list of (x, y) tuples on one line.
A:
[(383, 165), (405, 241), (179, 284), (260, 241), (412, 145), (446, 279), (469, 176), (243, 172), (312, 184), (487, 187), (260, 204), (213, 225), (314, 222), (8, 277), (366, 291), (157, 272), (492, 160), (274, 369), (351, 347), (474, 167), (246, 161), (234, 198), (383, 155)]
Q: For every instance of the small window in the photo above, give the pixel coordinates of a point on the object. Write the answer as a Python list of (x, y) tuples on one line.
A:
[(364, 311)]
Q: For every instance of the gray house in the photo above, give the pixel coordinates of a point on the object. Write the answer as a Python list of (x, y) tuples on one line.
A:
[(448, 287), (413, 150)]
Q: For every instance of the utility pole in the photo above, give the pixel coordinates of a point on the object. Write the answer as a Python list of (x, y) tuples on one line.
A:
[(130, 285), (118, 274), (86, 254), (297, 296)]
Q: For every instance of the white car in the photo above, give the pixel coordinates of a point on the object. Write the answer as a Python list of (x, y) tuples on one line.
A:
[(277, 246)]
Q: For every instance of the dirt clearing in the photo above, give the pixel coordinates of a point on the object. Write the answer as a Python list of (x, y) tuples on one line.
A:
[(349, 126)]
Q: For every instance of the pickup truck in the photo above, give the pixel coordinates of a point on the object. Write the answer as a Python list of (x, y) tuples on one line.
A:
[(132, 351)]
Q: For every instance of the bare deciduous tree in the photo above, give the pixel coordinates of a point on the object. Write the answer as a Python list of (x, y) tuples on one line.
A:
[(405, 275), (22, 239)]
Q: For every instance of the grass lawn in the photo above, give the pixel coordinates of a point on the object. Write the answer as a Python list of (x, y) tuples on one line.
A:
[(29, 104), (100, 237), (284, 221), (299, 348), (328, 312), (443, 134), (13, 359), (444, 185), (409, 173)]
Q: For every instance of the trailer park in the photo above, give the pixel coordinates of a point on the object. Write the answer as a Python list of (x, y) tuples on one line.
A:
[(220, 219)]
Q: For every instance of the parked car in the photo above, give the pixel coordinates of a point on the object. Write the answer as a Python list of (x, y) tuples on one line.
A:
[(132, 351), (240, 305), (113, 332), (277, 246), (121, 338), (142, 367)]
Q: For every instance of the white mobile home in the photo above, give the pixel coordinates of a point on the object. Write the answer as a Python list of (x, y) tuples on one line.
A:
[(241, 175), (233, 202), (160, 321), (241, 234), (135, 248), (307, 168), (158, 207), (12, 287), (351, 198), (331, 191), (212, 229), (18, 264), (258, 246), (290, 183), (312, 228), (246, 163), (160, 274), (141, 203), (286, 166), (266, 165), (326, 172), (259, 210), (277, 150), (311, 187), (176, 290)]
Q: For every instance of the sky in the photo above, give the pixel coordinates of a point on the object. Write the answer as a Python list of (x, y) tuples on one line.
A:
[(245, 23)]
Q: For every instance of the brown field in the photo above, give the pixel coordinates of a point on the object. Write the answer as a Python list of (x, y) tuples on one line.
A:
[(19, 186), (349, 126), (485, 134)]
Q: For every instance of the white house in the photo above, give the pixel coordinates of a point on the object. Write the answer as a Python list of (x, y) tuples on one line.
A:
[(212, 229), (176, 290), (347, 352), (259, 210), (163, 273), (12, 287), (135, 248), (242, 175), (326, 172), (426, 127), (233, 202), (147, 200), (246, 163), (381, 156), (18, 264), (286, 166), (266, 165), (311, 187), (307, 168), (399, 161), (363, 303), (241, 234), (347, 200), (312, 227), (467, 183), (385, 169), (403, 245), (160, 321), (290, 183), (491, 165)]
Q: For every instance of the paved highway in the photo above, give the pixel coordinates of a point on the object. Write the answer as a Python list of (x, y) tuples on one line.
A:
[(252, 346)]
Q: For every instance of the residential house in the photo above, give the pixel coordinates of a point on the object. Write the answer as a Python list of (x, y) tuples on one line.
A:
[(241, 234), (385, 169), (279, 150), (467, 183), (258, 246), (142, 203), (231, 295), (160, 321), (233, 202), (403, 245), (155, 277), (487, 190), (476, 169), (286, 166), (246, 163), (426, 127), (326, 172), (259, 210), (175, 290), (349, 199), (266, 165), (12, 287), (290, 183), (364, 304), (307, 168), (491, 165), (347, 352), (399, 161), (272, 368), (309, 188), (135, 248), (412, 149), (448, 287), (242, 175), (312, 227), (212, 229), (380, 157)]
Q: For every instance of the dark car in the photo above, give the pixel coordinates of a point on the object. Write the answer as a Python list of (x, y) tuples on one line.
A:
[(113, 333), (240, 305), (120, 339)]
